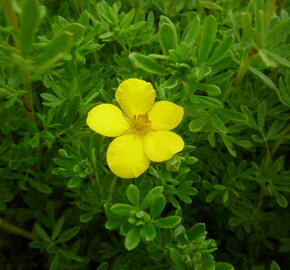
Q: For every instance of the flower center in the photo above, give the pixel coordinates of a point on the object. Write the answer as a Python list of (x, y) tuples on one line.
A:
[(140, 124)]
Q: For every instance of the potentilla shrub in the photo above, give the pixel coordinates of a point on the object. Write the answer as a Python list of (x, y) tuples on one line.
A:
[(144, 135)]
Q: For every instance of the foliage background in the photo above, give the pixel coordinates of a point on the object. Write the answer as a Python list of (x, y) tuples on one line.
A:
[(220, 204)]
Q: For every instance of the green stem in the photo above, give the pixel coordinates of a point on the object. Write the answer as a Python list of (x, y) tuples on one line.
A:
[(244, 66), (280, 140), (16, 230), (112, 187), (12, 20)]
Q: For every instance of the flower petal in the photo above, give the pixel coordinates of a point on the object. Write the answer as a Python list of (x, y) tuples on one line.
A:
[(135, 96), (126, 157), (165, 115), (108, 120), (162, 145)]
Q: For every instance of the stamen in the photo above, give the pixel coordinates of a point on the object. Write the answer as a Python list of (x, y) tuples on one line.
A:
[(140, 124)]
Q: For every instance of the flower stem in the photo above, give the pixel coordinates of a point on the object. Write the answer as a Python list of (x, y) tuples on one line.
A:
[(16, 230)]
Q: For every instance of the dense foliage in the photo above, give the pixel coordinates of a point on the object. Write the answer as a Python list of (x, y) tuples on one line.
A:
[(221, 203)]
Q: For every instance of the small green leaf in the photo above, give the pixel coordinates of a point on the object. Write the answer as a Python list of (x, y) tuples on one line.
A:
[(263, 77), (68, 234), (196, 231), (133, 195), (148, 232), (220, 51), (132, 239), (224, 266), (103, 266), (211, 89), (41, 232), (76, 29), (281, 200), (197, 124), (70, 255), (207, 102), (279, 59), (74, 182), (54, 51), (232, 115), (157, 206), (41, 187), (266, 59), (167, 35), (246, 21), (87, 217), (146, 63), (192, 32), (55, 263), (218, 124), (284, 92), (122, 209), (274, 266), (57, 228), (168, 222), (208, 35), (151, 195), (228, 145), (29, 24)]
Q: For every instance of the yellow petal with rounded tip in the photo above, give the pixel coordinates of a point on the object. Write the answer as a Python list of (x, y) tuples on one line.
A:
[(135, 96), (162, 145), (126, 157), (165, 115), (108, 120)]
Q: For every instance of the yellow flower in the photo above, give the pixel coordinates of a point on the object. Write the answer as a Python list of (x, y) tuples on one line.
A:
[(142, 129)]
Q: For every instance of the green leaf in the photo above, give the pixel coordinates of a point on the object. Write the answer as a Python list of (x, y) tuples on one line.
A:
[(41, 187), (197, 124), (232, 115), (55, 263), (168, 222), (68, 234), (41, 232), (70, 255), (122, 209), (210, 5), (132, 239), (148, 232), (167, 35), (87, 217), (103, 266), (77, 31), (217, 123), (192, 32), (266, 59), (30, 19), (133, 195), (196, 231), (278, 59), (207, 102), (151, 195), (263, 77), (211, 89), (228, 145), (284, 92), (208, 35), (157, 206), (71, 111), (146, 63), (57, 228), (74, 182), (54, 51), (274, 266), (224, 266), (281, 200), (246, 21), (220, 51)]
